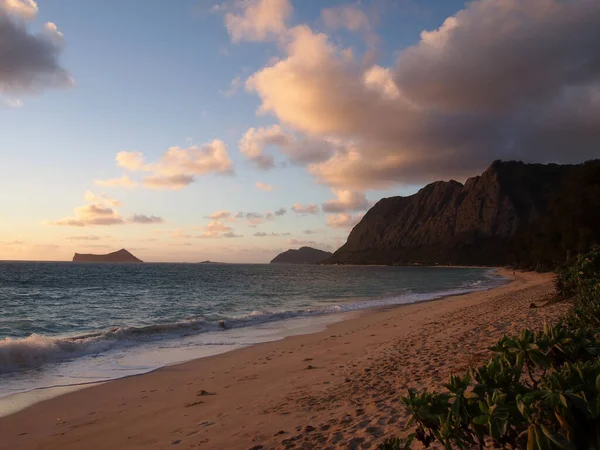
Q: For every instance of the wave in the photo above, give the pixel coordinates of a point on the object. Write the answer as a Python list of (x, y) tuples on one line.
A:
[(34, 351)]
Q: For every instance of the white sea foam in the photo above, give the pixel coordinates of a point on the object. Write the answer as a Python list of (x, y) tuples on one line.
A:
[(18, 354)]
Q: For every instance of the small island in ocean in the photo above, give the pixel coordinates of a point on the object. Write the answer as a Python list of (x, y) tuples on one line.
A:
[(304, 255), (120, 256)]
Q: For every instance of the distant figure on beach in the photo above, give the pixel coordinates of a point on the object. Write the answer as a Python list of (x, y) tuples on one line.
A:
[(222, 324)]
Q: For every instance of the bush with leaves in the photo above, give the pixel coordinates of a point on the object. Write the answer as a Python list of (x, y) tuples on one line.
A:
[(540, 390)]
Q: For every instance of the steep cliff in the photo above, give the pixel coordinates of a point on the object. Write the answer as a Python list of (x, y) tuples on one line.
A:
[(511, 214), (122, 256), (304, 255)]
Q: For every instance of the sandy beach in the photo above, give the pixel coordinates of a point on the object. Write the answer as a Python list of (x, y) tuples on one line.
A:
[(339, 388)]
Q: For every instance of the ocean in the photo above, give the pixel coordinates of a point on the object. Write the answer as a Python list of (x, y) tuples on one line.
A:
[(64, 324)]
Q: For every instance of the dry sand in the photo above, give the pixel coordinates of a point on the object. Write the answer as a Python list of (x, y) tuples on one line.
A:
[(339, 388)]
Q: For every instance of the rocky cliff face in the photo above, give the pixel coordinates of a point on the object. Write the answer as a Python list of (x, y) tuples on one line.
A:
[(122, 256), (451, 223), (304, 255)]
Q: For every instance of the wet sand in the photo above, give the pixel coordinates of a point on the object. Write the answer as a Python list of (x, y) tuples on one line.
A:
[(339, 388)]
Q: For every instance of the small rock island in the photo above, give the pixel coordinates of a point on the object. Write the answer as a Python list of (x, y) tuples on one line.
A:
[(120, 256), (304, 255)]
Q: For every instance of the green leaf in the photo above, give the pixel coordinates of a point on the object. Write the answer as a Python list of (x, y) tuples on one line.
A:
[(540, 360), (557, 438), (480, 420)]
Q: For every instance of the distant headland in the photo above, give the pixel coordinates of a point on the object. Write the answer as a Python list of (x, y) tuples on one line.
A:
[(120, 256), (304, 255)]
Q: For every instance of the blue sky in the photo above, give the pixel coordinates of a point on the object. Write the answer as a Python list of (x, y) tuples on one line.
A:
[(151, 75)]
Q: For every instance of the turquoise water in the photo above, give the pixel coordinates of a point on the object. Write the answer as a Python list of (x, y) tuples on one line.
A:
[(65, 323)]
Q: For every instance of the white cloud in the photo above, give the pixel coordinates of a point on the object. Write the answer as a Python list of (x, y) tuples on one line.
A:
[(11, 103)]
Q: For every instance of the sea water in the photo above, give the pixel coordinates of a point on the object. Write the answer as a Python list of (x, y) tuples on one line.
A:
[(65, 324)]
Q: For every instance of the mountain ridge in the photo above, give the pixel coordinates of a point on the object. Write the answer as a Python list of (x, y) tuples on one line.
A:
[(513, 213)]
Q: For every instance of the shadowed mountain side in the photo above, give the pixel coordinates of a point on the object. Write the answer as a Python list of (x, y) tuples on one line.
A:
[(122, 256), (529, 215), (304, 255)]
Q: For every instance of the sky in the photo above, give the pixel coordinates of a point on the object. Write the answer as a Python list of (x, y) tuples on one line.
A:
[(233, 130)]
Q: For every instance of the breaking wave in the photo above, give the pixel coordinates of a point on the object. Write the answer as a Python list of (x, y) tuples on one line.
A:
[(34, 351)]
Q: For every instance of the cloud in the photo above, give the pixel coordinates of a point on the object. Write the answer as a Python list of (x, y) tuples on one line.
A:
[(342, 220), (253, 218), (258, 20), (89, 237), (178, 167), (133, 161), (123, 181), (351, 18), (12, 243), (309, 232), (25, 9), (90, 215), (298, 148), (30, 62), (216, 227), (501, 79), (99, 211), (300, 242), (102, 199), (346, 201), (11, 103), (221, 215), (305, 209), (252, 143), (173, 182), (264, 187), (263, 234), (145, 219), (179, 234), (230, 234), (281, 212), (234, 86)]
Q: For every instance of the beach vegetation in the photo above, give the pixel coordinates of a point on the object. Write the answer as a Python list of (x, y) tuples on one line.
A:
[(540, 390)]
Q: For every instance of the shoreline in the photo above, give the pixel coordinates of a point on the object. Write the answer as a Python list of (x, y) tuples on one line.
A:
[(14, 397), (305, 369)]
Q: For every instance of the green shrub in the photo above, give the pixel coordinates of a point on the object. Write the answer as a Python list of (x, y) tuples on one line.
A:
[(540, 390)]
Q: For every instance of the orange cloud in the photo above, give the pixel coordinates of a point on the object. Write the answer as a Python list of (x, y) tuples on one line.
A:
[(346, 201), (264, 187), (178, 167), (258, 20), (123, 181), (433, 115), (343, 220), (299, 208), (99, 211)]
